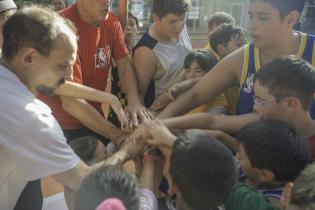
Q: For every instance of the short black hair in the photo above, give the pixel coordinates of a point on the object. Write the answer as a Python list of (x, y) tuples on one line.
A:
[(85, 147), (107, 182), (204, 58), (203, 170), (161, 8), (224, 33), (303, 194), (285, 6), (288, 76), (219, 18), (274, 146), (34, 27), (130, 15)]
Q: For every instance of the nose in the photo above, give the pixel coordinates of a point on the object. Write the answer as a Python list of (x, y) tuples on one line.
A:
[(252, 25)]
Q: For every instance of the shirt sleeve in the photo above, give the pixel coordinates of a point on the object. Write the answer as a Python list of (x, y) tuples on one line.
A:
[(148, 200), (39, 148)]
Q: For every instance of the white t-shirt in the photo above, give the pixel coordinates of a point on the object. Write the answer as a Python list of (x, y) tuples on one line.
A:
[(32, 144)]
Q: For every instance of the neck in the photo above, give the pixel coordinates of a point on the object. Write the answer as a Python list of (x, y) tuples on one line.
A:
[(304, 125), (129, 44), (85, 15), (288, 45)]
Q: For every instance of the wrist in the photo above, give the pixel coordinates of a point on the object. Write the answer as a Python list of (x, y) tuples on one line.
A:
[(149, 159), (170, 94)]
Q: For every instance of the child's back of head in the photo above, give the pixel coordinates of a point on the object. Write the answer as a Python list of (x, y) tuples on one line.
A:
[(275, 147), (303, 191), (219, 18), (108, 182), (202, 169)]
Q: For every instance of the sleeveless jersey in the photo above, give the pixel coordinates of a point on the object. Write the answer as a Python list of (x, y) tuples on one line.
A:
[(252, 65)]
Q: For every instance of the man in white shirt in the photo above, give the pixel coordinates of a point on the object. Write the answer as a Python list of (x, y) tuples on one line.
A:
[(39, 49)]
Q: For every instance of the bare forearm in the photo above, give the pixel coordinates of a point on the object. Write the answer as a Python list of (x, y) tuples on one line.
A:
[(89, 117), (225, 138), (128, 81), (148, 175), (76, 90), (180, 105), (183, 86), (199, 121)]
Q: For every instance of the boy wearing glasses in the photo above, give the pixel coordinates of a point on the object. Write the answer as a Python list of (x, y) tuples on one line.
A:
[(283, 90), (159, 55)]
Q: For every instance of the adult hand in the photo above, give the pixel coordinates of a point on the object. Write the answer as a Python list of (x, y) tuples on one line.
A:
[(154, 133), (120, 112), (137, 113)]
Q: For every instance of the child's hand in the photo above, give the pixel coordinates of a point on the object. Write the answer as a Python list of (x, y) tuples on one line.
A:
[(159, 134), (160, 102)]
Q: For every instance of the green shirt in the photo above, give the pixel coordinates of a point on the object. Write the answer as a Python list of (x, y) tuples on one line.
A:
[(243, 197)]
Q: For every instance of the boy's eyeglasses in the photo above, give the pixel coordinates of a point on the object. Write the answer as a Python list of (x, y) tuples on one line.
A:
[(261, 103)]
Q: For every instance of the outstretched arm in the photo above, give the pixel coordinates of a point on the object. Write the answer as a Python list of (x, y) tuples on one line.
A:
[(76, 90), (226, 123), (128, 80)]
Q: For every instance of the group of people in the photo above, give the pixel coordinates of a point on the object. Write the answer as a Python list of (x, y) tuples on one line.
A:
[(80, 97)]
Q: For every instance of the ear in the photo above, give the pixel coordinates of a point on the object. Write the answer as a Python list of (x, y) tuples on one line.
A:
[(292, 104), (266, 175), (27, 56), (155, 18), (221, 49), (287, 194), (291, 19)]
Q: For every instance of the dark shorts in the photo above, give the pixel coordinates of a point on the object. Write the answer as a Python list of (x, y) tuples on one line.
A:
[(31, 197)]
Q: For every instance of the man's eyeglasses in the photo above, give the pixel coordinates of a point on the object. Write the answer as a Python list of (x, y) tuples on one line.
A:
[(260, 103)]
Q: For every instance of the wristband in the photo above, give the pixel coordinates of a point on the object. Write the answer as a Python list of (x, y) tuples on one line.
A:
[(148, 157)]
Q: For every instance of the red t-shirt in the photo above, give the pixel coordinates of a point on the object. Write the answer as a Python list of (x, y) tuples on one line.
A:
[(312, 145), (96, 47)]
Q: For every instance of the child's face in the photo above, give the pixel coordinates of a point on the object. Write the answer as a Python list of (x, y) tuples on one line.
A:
[(131, 29), (194, 71), (250, 172), (266, 26), (266, 105), (170, 25), (233, 45)]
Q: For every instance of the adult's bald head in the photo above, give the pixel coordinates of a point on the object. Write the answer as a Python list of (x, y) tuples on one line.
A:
[(37, 28)]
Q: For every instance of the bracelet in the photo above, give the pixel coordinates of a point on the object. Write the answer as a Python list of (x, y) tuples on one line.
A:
[(148, 157)]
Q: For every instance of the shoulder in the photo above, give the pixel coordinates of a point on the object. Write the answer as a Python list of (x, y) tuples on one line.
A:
[(146, 41), (69, 13)]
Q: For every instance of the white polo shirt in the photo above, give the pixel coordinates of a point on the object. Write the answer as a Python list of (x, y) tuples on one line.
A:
[(32, 144)]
